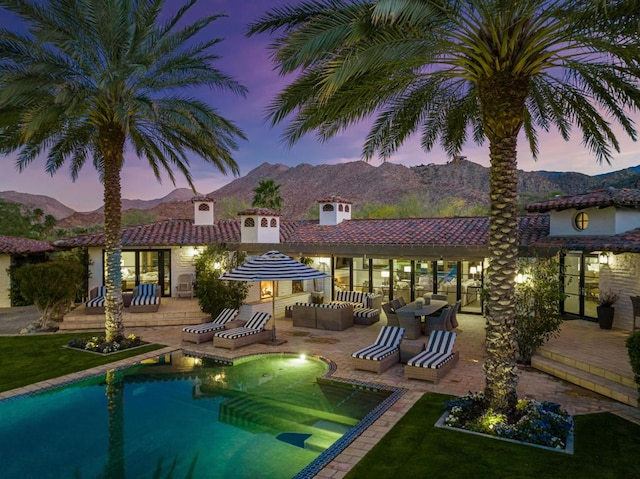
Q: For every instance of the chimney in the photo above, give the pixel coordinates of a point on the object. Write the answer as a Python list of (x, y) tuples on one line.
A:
[(334, 210), (259, 225), (202, 210)]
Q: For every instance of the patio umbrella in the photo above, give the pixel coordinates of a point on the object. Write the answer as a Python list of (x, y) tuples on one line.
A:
[(273, 266)]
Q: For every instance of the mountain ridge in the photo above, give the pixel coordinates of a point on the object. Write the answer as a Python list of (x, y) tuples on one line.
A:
[(359, 182)]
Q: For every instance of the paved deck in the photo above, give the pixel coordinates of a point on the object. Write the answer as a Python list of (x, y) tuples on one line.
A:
[(466, 376)]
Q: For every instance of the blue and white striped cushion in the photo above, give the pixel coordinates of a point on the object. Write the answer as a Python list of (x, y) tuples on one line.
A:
[(257, 321), (236, 333), (226, 315), (375, 352), (365, 313), (430, 359), (441, 341), (390, 336), (146, 294), (353, 297), (96, 302)]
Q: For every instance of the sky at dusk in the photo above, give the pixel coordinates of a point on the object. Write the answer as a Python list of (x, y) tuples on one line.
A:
[(246, 60)]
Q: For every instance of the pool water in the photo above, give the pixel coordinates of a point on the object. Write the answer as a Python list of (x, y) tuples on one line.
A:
[(264, 417)]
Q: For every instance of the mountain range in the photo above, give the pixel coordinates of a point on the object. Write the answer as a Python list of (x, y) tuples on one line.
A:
[(360, 182)]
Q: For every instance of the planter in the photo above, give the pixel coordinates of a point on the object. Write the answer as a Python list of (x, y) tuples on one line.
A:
[(605, 316)]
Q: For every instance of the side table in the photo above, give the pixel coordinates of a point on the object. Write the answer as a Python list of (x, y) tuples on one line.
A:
[(410, 348)]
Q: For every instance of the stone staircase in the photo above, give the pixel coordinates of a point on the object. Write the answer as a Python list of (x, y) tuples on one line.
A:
[(172, 312), (600, 379)]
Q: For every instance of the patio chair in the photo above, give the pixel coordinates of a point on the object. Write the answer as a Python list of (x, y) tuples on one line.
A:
[(382, 354), (95, 303), (146, 299), (437, 323), (453, 318), (392, 317), (184, 286), (252, 332), (204, 332), (436, 360), (441, 297)]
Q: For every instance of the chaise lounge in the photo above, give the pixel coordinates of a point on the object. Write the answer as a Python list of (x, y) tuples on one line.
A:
[(382, 354), (204, 332), (252, 332), (146, 299), (436, 360)]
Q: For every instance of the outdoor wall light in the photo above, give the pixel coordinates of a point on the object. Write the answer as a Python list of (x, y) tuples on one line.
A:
[(603, 258)]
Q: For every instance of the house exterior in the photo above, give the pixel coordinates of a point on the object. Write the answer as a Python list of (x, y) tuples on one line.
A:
[(15, 251), (596, 237)]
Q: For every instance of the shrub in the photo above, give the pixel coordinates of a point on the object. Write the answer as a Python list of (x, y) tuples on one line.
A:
[(537, 305), (633, 349), (213, 293)]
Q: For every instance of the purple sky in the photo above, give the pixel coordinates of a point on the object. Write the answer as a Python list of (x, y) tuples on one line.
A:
[(247, 61)]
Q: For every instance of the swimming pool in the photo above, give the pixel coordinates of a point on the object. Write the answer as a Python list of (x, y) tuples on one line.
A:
[(268, 416)]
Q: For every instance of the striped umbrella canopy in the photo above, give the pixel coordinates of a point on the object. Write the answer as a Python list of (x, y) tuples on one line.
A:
[(273, 266)]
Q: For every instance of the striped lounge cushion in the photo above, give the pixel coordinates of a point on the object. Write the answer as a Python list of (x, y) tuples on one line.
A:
[(441, 341), (237, 333), (226, 315), (146, 294), (352, 297), (365, 313), (96, 302), (430, 359), (257, 321), (390, 336), (375, 352)]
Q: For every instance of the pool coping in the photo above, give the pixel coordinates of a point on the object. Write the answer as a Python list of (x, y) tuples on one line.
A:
[(340, 456)]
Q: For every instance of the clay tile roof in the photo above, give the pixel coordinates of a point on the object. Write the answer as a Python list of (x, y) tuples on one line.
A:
[(13, 245), (599, 198), (627, 242), (334, 199), (202, 198), (260, 211)]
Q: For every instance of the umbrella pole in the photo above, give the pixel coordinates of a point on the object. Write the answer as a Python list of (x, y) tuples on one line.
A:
[(273, 311)]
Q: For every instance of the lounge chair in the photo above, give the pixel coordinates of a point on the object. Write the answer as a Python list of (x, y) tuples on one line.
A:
[(252, 332), (204, 332), (436, 360), (382, 354), (146, 299), (95, 303)]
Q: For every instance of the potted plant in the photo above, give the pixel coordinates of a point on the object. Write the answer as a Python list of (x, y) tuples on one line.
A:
[(605, 308)]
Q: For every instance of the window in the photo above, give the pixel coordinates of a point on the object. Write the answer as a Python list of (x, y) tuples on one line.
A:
[(581, 221), (264, 222), (346, 208), (274, 223), (203, 207), (249, 223), (340, 208), (327, 207)]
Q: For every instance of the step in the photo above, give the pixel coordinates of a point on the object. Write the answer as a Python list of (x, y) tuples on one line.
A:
[(588, 380), (97, 322), (625, 379)]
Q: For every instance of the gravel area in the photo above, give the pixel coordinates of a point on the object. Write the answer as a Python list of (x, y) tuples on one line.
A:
[(12, 320)]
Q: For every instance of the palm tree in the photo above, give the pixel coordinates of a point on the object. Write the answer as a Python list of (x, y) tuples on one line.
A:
[(267, 195), (93, 77), (453, 69)]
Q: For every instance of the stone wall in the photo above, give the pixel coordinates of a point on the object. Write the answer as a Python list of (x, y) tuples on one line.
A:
[(622, 275)]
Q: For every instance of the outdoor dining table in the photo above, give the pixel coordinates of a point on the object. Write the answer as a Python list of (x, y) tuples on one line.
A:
[(410, 316)]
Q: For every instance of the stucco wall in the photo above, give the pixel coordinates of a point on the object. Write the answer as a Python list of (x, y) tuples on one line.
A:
[(5, 281), (622, 275), (601, 222)]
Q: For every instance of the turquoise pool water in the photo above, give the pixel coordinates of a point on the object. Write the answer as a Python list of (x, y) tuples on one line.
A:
[(264, 417)]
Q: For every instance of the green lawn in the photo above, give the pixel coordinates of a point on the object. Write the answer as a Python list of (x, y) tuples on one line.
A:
[(28, 359), (606, 446)]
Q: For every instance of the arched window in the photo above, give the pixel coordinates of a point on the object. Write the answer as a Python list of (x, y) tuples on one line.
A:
[(274, 223), (346, 208), (327, 207), (581, 221), (203, 207), (249, 223), (264, 222)]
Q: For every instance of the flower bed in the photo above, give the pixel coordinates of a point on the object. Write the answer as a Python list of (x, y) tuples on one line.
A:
[(543, 424), (98, 344)]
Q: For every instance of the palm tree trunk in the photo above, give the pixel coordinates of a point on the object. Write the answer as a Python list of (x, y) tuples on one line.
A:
[(502, 100), (112, 145), (500, 365)]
